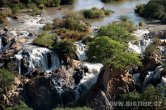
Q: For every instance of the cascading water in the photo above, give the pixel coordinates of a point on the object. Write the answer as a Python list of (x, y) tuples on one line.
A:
[(81, 48), (151, 78), (142, 42), (38, 57), (1, 46), (89, 78)]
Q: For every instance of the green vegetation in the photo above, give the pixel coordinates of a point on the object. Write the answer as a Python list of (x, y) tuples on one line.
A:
[(118, 31), (124, 18), (110, 47), (21, 106), (3, 19), (39, 3), (6, 80), (65, 48), (71, 26), (95, 13), (4, 13), (153, 9), (45, 39), (151, 94), (153, 48), (47, 27), (78, 108), (111, 53)]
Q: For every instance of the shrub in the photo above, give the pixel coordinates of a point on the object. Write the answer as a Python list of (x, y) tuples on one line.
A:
[(57, 23), (96, 13), (45, 39), (6, 80), (21, 106), (93, 13), (151, 49), (124, 18), (36, 11), (153, 9), (47, 27), (65, 48), (72, 26), (71, 34), (150, 94)]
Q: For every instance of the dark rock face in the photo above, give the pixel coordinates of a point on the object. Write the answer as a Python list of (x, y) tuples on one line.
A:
[(149, 64), (44, 93), (109, 85)]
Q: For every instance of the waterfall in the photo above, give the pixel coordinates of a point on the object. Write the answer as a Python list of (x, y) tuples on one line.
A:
[(38, 57), (142, 41), (141, 46), (158, 72), (1, 45), (148, 78), (19, 57), (81, 48), (151, 78), (89, 78)]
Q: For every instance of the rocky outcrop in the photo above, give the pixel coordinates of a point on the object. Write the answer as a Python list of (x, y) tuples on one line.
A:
[(46, 92), (149, 64), (110, 84), (13, 96)]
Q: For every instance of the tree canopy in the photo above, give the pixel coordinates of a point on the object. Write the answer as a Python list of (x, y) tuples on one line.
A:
[(153, 9), (112, 53), (117, 31)]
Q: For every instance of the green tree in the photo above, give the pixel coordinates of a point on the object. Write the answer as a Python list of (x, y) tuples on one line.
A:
[(116, 32), (112, 53), (153, 9)]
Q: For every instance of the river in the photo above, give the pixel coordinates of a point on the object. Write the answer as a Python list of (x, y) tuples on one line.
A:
[(28, 24), (125, 7)]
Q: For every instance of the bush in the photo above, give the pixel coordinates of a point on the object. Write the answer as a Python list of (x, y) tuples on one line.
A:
[(71, 34), (65, 48), (3, 20), (150, 94), (6, 80), (21, 106), (124, 18), (36, 11), (153, 9), (47, 27), (71, 26), (151, 49), (45, 39), (95, 13), (75, 21)]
